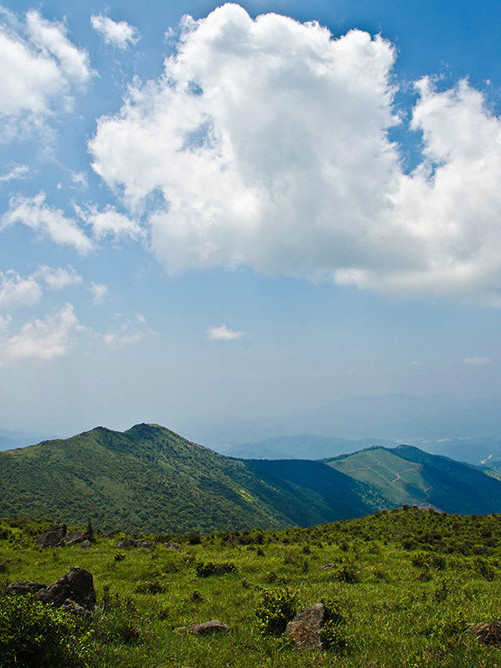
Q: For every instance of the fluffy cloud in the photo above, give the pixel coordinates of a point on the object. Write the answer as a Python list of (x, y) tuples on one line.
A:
[(119, 34), (39, 67), (267, 142), (222, 333), (58, 278), (43, 339), (36, 214), (110, 222), (18, 291)]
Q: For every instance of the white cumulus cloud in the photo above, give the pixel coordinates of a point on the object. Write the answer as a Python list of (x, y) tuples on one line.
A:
[(119, 34), (39, 68), (37, 215), (109, 222), (58, 278), (268, 143), (223, 333), (18, 291), (43, 339)]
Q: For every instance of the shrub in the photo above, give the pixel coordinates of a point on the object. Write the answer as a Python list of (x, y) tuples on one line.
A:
[(150, 588), (33, 634), (483, 568), (333, 638), (348, 573), (205, 569), (276, 608)]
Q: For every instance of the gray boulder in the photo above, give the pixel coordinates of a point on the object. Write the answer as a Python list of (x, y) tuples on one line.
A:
[(53, 537), (77, 585), (75, 537)]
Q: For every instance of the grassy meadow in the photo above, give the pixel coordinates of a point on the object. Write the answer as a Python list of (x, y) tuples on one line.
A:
[(403, 589)]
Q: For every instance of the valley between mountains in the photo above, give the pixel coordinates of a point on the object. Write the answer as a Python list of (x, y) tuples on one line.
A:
[(148, 478)]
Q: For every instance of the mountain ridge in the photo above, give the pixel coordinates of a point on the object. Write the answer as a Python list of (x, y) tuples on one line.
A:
[(150, 477)]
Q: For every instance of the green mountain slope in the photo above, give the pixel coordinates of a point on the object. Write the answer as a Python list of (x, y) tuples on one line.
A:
[(407, 475), (149, 477), (152, 479)]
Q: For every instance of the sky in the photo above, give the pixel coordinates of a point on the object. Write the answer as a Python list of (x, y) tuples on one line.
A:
[(212, 213)]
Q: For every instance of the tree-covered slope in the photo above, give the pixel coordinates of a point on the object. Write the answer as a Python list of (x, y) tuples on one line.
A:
[(149, 477), (407, 475)]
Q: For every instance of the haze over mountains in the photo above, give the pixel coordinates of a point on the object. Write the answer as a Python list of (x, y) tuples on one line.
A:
[(150, 478)]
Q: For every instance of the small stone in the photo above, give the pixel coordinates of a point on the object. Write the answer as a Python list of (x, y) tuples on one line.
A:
[(205, 628), (304, 629), (327, 566), (487, 633)]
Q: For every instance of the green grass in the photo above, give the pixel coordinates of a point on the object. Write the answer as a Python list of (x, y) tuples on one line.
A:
[(405, 607)]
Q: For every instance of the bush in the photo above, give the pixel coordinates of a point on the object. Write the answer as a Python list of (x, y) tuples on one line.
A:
[(34, 634), (204, 570), (276, 608), (333, 638), (348, 573)]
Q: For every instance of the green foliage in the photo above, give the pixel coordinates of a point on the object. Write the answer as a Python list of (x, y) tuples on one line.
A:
[(204, 570), (276, 608), (33, 634), (334, 638), (408, 616)]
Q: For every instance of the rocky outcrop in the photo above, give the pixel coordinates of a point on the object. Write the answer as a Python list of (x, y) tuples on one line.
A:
[(75, 537), (205, 628), (172, 546), (76, 585), (23, 588), (135, 542), (304, 629), (53, 537)]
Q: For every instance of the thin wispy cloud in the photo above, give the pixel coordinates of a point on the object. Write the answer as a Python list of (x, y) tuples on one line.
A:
[(223, 333), (478, 361)]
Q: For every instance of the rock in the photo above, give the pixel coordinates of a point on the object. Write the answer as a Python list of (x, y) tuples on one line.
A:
[(75, 537), (135, 542), (86, 543), (77, 585), (205, 628), (53, 537), (24, 588), (487, 633), (327, 566), (304, 629), (75, 609), (172, 546)]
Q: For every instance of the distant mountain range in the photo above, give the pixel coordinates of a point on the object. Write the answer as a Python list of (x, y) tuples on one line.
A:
[(151, 479), (457, 427)]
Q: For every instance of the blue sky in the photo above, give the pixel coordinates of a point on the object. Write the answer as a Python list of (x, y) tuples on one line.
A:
[(251, 211)]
